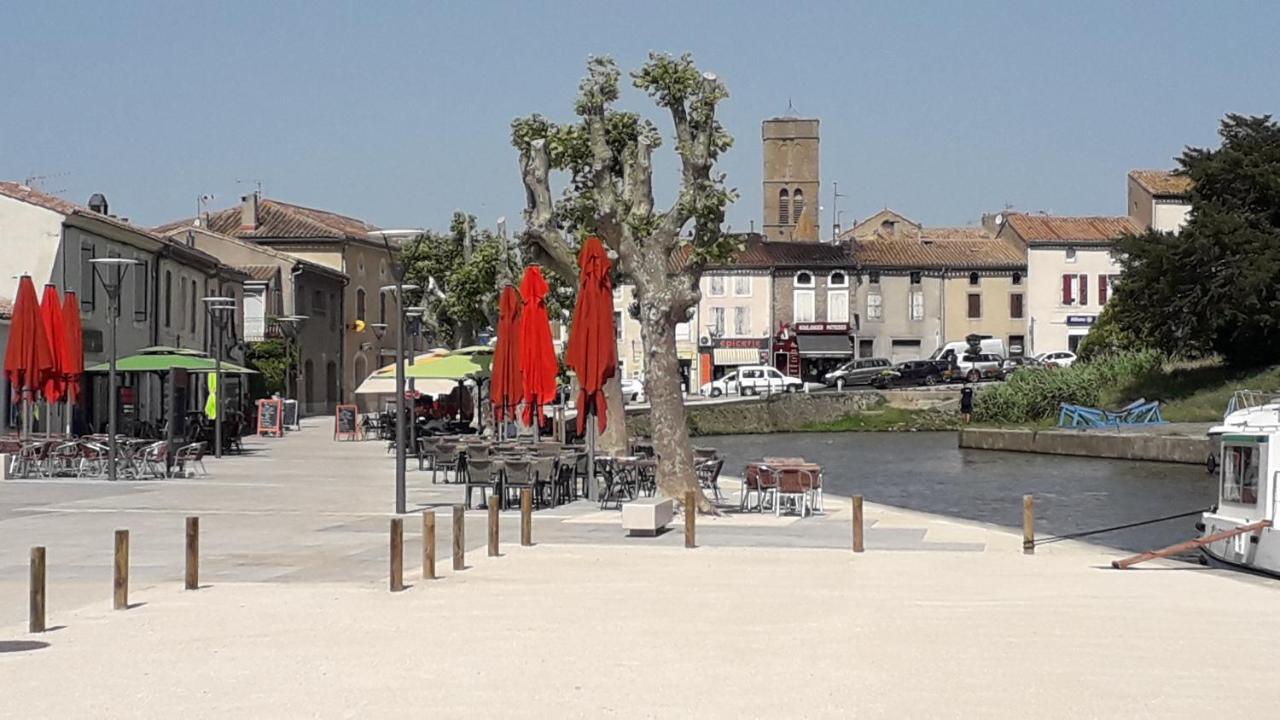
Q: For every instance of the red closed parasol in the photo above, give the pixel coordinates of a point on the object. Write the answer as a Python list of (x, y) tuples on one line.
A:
[(72, 345), (55, 384), (593, 350), (538, 366), (505, 386), (27, 360)]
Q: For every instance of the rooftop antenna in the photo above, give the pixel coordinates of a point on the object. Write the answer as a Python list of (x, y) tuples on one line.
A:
[(791, 109), (202, 208), (36, 182)]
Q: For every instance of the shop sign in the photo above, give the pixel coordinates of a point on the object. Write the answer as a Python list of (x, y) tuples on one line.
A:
[(745, 343), (822, 327), (1081, 320)]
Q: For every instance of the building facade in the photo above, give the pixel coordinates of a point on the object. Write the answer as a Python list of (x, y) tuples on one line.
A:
[(365, 318), (161, 297), (735, 317), (1071, 271), (1159, 199)]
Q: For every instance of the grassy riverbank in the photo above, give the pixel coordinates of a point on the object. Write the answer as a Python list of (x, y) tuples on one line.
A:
[(1192, 392)]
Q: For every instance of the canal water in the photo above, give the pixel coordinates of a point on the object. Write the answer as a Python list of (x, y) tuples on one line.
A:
[(927, 472)]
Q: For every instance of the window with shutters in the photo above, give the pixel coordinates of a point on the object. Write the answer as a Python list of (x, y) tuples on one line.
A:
[(1103, 289), (874, 307), (717, 322), (1015, 306), (838, 306), (1075, 289), (917, 305), (742, 321), (360, 301), (802, 306), (88, 283), (717, 286), (168, 298), (742, 286), (784, 207), (975, 306), (195, 300), (140, 299)]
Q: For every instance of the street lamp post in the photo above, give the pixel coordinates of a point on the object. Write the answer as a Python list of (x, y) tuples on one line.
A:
[(399, 289), (220, 308), (110, 272)]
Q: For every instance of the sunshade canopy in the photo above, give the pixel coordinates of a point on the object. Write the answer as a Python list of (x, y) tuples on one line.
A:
[(538, 365), (55, 384), (28, 361), (505, 390), (74, 359), (593, 350), (457, 365), (162, 359)]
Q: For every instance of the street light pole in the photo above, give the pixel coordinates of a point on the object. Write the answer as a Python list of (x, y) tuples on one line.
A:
[(112, 285), (399, 288), (217, 306)]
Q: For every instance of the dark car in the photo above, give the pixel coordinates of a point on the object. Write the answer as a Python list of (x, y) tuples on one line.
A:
[(857, 372), (913, 372)]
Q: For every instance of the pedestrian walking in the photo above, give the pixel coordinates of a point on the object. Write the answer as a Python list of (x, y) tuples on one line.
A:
[(966, 403)]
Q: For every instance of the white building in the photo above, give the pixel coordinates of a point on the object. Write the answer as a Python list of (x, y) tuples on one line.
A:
[(54, 240), (1070, 273), (1159, 199)]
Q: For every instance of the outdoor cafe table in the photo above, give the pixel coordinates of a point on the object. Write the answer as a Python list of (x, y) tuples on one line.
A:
[(791, 473)]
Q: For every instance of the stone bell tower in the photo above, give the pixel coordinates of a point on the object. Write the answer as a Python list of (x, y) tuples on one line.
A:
[(790, 179)]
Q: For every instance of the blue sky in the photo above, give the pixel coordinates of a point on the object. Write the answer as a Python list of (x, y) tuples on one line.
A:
[(398, 112)]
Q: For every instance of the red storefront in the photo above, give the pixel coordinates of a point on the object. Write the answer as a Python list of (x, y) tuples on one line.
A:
[(810, 350)]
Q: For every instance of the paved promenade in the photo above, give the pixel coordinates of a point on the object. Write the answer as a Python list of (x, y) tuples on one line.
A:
[(767, 618)]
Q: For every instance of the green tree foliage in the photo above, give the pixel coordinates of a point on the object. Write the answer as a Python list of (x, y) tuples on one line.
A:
[(459, 273), (1215, 286), (1035, 394), (272, 359)]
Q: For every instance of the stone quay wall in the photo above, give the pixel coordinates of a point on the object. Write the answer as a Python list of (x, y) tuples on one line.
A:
[(1120, 445)]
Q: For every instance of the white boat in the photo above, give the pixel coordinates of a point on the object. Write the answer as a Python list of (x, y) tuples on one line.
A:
[(1242, 523)]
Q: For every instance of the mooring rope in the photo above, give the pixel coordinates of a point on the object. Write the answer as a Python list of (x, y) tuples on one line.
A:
[(1072, 536)]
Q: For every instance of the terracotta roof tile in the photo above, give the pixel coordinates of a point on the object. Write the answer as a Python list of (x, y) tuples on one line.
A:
[(282, 220), (942, 248), (759, 253), (1056, 229), (1162, 182), (259, 272)]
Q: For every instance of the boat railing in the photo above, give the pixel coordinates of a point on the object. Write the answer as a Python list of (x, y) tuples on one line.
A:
[(1245, 399)]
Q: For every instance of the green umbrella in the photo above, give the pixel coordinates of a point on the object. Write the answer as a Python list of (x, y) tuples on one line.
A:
[(456, 366), (150, 360)]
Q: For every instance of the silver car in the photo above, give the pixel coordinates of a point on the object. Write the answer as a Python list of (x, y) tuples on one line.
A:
[(857, 372)]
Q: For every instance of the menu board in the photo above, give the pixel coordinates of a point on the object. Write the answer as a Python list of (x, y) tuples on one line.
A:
[(291, 414), (346, 423), (270, 416)]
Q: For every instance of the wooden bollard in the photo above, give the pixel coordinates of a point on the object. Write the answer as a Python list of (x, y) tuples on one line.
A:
[(690, 519), (493, 525), (397, 555), (35, 616), (857, 524), (193, 553), (526, 517), (459, 538), (1028, 524), (120, 579), (428, 544)]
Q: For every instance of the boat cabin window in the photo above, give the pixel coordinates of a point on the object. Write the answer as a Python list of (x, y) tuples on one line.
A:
[(1240, 474)]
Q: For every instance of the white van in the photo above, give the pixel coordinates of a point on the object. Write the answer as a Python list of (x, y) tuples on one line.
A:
[(752, 380), (956, 349)]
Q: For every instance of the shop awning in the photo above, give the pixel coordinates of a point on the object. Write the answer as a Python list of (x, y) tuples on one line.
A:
[(735, 356), (825, 346)]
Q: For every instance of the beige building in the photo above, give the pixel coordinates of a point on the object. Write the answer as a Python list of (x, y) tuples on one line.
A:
[(278, 286), (735, 316), (631, 341), (791, 179), (1070, 269), (1159, 199), (344, 244), (923, 287)]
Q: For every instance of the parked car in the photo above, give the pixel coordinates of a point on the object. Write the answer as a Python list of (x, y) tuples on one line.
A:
[(972, 368), (632, 390), (1059, 358), (956, 348), (857, 372), (752, 380), (912, 372), (1014, 364)]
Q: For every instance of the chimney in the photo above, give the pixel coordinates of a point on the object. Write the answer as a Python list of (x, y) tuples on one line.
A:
[(249, 212), (98, 203)]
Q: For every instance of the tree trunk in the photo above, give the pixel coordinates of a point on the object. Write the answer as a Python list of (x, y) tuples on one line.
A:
[(666, 415), (614, 439)]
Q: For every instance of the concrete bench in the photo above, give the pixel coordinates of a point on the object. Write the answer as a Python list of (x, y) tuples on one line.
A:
[(646, 516)]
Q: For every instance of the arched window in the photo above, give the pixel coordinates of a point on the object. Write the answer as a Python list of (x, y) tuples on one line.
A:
[(1017, 278), (804, 278), (360, 304), (797, 205), (838, 279), (784, 207), (973, 278)]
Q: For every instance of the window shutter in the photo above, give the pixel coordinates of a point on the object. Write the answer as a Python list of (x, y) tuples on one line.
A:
[(1066, 289), (1102, 289), (1084, 289)]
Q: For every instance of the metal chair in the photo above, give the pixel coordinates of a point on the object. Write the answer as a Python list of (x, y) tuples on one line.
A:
[(708, 474), (517, 475), (448, 458), (794, 484), (482, 474), (188, 455), (768, 480)]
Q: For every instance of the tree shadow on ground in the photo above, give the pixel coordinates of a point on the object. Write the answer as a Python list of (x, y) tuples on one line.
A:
[(17, 646)]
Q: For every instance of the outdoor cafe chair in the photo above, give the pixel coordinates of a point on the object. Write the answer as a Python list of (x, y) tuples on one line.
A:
[(797, 485), (152, 459), (517, 475), (93, 459), (708, 473), (482, 474), (448, 458), (187, 458), (30, 461), (545, 481), (768, 480), (64, 458), (427, 449)]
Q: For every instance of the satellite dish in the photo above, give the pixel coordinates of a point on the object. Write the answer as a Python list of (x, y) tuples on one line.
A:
[(999, 218)]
